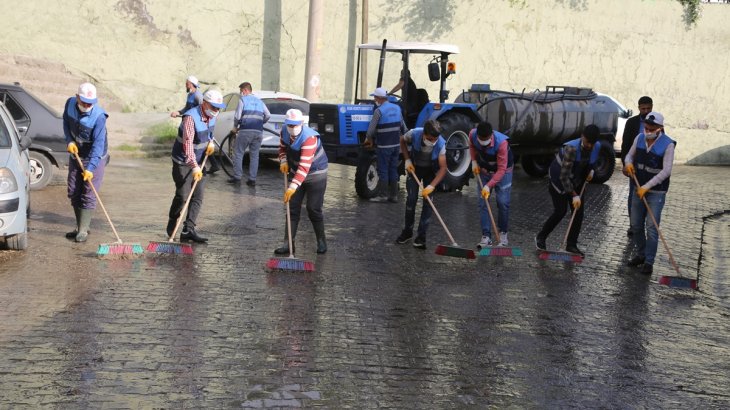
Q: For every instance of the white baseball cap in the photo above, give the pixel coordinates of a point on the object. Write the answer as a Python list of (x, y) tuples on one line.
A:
[(214, 98), (380, 92), (193, 80), (654, 118), (294, 117), (87, 93)]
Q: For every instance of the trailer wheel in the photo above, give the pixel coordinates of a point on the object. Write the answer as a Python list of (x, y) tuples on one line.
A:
[(536, 165), (455, 129), (605, 164), (366, 176)]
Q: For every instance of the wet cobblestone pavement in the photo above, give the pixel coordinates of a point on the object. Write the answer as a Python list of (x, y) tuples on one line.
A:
[(378, 325)]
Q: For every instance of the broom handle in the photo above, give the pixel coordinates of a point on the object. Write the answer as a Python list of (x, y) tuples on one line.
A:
[(98, 198), (187, 202), (489, 209), (288, 219), (656, 225), (572, 217), (451, 238)]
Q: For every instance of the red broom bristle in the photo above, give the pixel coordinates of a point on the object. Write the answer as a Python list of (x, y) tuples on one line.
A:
[(678, 282), (444, 250)]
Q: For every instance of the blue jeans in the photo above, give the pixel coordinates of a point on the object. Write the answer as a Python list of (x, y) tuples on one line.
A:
[(250, 139), (388, 164), (646, 236), (502, 191), (412, 190)]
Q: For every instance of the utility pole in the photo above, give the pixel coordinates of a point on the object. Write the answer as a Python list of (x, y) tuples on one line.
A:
[(364, 56), (314, 45)]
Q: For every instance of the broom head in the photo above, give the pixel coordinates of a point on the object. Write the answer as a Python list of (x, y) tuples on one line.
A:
[(500, 251), (290, 264), (119, 250), (174, 248), (560, 256), (678, 282), (455, 251)]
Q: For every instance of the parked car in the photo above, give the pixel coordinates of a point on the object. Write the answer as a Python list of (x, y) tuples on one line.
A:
[(623, 115), (14, 183), (43, 125), (277, 102)]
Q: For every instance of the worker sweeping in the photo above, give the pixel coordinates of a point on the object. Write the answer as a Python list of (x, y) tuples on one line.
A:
[(424, 153), (84, 126), (301, 153)]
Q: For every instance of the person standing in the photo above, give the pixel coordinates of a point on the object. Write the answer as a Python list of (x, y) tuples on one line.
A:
[(650, 161), (385, 130), (194, 141), (194, 98), (424, 152), (492, 161), (248, 124), (634, 126), (84, 127), (301, 152), (572, 167)]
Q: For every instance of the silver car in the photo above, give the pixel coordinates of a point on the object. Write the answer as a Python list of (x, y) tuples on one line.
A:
[(14, 183)]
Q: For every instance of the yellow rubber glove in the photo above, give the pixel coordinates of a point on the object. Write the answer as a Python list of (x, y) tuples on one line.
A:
[(210, 149), (576, 202), (197, 174), (284, 168), (72, 148), (87, 175), (641, 191), (427, 191), (288, 194), (590, 176), (485, 192), (629, 169), (409, 166), (475, 168)]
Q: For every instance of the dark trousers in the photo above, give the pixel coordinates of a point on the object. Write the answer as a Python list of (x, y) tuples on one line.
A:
[(183, 177), (79, 191), (313, 190), (426, 175), (561, 204)]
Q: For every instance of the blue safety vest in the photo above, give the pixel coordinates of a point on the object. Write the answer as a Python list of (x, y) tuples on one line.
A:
[(389, 125), (203, 135), (581, 165), (192, 100), (417, 144), (252, 116), (294, 150), (650, 162), (487, 156), (81, 125)]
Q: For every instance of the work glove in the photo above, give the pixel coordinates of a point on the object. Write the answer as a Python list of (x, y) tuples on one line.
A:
[(629, 169), (284, 168), (288, 194), (210, 149), (409, 166), (475, 168), (87, 175), (590, 176), (427, 191), (485, 192), (197, 174), (72, 148), (641, 191), (576, 202)]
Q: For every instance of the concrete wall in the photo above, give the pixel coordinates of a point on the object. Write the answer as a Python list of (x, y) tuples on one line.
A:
[(141, 50)]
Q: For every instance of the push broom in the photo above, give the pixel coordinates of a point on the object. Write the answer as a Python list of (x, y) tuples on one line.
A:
[(445, 250), (289, 263), (496, 250), (118, 250), (172, 247), (678, 281), (563, 255)]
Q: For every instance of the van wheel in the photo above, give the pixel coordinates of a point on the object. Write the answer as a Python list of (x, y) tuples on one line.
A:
[(605, 164), (41, 170)]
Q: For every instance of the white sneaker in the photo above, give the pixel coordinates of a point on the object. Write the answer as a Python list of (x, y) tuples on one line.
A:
[(486, 241), (503, 241)]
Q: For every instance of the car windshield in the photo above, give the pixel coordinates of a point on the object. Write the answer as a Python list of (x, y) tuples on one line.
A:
[(46, 106), (4, 135), (279, 106)]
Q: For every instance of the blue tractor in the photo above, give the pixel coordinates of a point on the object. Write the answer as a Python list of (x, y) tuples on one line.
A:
[(343, 126)]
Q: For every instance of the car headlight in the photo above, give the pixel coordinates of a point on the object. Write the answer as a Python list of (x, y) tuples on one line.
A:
[(7, 181)]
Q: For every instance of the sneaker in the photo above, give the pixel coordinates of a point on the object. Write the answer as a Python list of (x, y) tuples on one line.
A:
[(486, 241), (189, 234), (503, 241), (540, 243), (647, 269), (251, 182), (629, 233), (635, 261), (234, 181), (419, 242), (574, 249), (404, 237)]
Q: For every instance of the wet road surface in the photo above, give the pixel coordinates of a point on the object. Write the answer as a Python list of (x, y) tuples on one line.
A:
[(378, 325)]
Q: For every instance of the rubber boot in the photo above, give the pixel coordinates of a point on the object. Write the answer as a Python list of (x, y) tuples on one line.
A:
[(393, 192), (284, 249), (380, 195), (321, 238), (84, 222), (72, 234)]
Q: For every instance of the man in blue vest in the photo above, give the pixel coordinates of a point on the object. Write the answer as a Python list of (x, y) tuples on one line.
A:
[(572, 167), (424, 152), (492, 161), (84, 126), (194, 141), (248, 124), (633, 127), (650, 160), (385, 130)]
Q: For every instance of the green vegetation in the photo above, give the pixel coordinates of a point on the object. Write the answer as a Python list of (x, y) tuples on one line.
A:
[(691, 12), (162, 133), (127, 148)]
